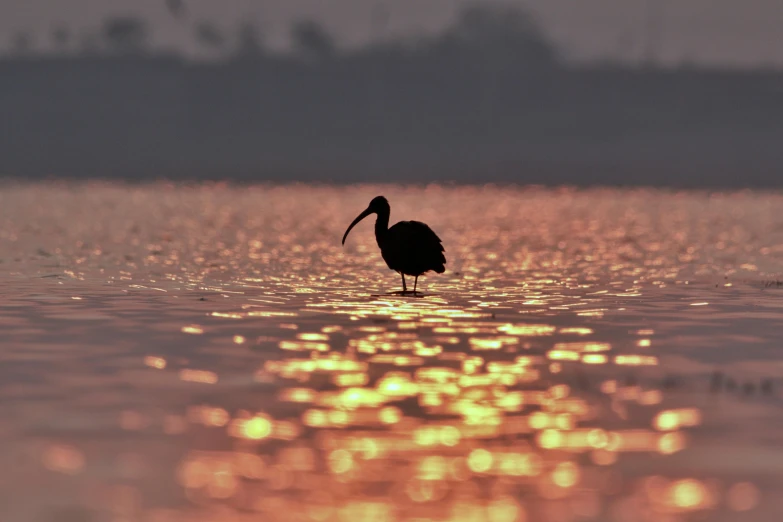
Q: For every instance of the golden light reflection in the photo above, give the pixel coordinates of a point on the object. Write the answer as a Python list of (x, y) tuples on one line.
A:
[(551, 439), (595, 358), (214, 417), (193, 329), (531, 381), (434, 467), (155, 362), (380, 407), (583, 347), (670, 443), (636, 360), (227, 315), (397, 385), (670, 420), (480, 461), (566, 474), (340, 461), (505, 509), (256, 428), (305, 395), (390, 415), (303, 346), (563, 355), (575, 330), (312, 337), (200, 376), (350, 379), (688, 494)]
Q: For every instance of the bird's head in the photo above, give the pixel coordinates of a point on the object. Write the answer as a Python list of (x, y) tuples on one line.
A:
[(378, 205)]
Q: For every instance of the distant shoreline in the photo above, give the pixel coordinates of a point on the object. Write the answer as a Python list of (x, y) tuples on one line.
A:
[(490, 100)]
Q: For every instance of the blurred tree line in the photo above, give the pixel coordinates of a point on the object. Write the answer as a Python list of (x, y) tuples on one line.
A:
[(502, 31), (490, 95)]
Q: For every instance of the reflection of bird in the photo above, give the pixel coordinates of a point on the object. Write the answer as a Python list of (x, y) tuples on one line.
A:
[(409, 247)]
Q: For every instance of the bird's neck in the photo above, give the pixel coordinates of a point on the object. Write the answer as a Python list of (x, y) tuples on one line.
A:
[(381, 226)]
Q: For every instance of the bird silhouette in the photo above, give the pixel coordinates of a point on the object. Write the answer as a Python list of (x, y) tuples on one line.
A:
[(409, 247)]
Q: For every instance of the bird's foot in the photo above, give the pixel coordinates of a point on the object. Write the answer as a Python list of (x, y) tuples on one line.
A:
[(406, 293)]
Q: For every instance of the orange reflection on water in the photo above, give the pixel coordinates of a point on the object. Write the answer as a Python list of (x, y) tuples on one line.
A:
[(687, 495), (636, 360), (670, 420), (515, 389), (256, 428), (583, 347), (381, 407), (155, 362), (63, 459), (576, 330), (193, 329), (670, 443), (303, 346), (563, 355), (743, 496), (527, 330), (566, 474), (201, 376), (595, 358)]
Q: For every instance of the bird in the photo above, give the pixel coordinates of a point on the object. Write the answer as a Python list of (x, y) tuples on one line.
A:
[(409, 247)]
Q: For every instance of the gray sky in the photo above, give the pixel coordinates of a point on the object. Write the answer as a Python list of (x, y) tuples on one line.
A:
[(732, 32)]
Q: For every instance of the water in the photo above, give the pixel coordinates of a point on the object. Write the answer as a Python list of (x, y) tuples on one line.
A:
[(214, 354)]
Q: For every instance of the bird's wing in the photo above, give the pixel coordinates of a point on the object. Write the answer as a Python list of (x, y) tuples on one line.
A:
[(416, 247), (417, 235)]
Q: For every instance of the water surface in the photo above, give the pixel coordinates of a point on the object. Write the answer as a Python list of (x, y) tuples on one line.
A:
[(213, 353)]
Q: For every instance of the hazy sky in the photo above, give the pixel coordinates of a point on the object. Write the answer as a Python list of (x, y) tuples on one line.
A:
[(744, 32)]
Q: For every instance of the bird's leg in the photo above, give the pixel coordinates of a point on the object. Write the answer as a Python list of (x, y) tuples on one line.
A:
[(415, 282), (404, 288)]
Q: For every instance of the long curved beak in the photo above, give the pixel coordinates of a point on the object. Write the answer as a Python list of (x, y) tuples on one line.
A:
[(359, 218)]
